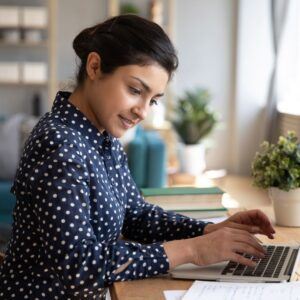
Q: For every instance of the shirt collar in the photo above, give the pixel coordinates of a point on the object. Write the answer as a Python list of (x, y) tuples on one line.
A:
[(71, 115)]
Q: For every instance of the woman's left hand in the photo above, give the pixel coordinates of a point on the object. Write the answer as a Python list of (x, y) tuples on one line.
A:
[(253, 221)]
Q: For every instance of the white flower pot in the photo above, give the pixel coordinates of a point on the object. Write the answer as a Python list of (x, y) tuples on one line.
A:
[(193, 159), (286, 206)]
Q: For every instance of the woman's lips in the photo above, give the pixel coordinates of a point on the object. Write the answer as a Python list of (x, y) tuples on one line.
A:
[(126, 122)]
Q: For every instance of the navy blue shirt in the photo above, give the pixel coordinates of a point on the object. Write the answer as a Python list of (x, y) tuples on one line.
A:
[(75, 198)]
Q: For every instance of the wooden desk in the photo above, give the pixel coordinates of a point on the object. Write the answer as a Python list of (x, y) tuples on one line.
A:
[(240, 194)]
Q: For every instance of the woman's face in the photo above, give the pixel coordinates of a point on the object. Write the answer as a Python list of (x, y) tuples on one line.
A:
[(120, 100)]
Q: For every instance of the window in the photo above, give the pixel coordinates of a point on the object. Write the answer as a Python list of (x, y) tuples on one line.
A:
[(289, 62)]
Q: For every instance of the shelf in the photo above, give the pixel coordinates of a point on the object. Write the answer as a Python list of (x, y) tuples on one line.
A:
[(22, 27), (32, 36), (3, 83), (42, 44)]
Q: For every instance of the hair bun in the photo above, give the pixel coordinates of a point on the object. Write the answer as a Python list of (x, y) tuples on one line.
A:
[(82, 42), (125, 40)]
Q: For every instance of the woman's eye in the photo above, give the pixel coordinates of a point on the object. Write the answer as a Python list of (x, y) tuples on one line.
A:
[(135, 91), (153, 102)]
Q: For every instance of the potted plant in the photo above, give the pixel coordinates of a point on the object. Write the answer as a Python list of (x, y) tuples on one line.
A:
[(277, 168), (193, 120), (129, 8)]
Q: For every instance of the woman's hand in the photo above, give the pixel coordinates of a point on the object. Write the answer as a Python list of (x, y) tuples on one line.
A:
[(220, 245), (226, 244), (223, 241), (253, 221)]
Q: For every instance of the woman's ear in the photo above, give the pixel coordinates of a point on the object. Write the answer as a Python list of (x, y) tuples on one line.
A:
[(93, 65)]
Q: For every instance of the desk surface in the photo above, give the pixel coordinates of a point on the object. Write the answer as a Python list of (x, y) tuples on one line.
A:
[(240, 194)]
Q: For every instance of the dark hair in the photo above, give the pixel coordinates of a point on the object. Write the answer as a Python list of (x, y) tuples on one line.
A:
[(125, 40)]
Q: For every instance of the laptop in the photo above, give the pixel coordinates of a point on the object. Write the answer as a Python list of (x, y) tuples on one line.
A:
[(278, 265)]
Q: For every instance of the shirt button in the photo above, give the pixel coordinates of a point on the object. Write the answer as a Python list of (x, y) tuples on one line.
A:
[(107, 142)]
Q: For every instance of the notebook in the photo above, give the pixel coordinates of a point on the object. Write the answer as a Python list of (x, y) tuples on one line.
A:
[(189, 201)]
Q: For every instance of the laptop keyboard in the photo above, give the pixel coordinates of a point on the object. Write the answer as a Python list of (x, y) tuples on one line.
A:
[(269, 266)]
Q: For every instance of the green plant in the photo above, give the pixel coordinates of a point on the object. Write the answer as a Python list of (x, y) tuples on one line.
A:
[(192, 118), (278, 165), (129, 8)]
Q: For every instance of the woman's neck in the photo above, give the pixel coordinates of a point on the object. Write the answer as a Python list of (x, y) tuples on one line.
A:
[(80, 100)]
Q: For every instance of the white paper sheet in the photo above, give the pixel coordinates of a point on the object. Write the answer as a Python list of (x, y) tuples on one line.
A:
[(174, 295), (243, 291)]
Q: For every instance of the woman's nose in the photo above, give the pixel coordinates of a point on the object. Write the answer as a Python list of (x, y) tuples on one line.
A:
[(140, 111)]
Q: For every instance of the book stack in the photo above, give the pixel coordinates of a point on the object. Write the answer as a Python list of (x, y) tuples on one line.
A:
[(189, 201)]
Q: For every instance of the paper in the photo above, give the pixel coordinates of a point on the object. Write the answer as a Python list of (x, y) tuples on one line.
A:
[(174, 295), (243, 291)]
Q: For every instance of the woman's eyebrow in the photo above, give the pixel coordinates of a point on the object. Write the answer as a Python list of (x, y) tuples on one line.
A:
[(146, 87)]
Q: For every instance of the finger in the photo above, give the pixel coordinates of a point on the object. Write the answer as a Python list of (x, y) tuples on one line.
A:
[(261, 220), (241, 218), (249, 228), (242, 260), (246, 237), (258, 240), (252, 242), (248, 249), (266, 222), (248, 220), (245, 218)]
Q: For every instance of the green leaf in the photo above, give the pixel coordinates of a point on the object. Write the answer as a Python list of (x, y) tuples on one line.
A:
[(192, 118), (278, 165)]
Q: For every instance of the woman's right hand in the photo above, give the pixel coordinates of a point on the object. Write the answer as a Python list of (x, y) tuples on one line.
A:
[(225, 244), (220, 245)]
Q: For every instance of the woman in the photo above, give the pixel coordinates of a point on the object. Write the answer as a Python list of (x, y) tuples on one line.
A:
[(75, 195)]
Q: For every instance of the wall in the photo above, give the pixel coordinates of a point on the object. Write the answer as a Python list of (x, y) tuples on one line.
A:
[(205, 37), (72, 17), (254, 63), (18, 98), (205, 40)]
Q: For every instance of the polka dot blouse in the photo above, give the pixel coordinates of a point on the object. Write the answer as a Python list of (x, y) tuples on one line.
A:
[(75, 198)]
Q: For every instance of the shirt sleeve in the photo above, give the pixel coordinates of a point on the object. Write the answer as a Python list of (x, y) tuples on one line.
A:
[(59, 187), (147, 223)]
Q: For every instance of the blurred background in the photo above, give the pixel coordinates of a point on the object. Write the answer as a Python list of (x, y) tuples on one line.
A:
[(237, 83)]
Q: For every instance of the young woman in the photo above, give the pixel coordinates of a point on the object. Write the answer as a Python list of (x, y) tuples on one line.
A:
[(75, 195)]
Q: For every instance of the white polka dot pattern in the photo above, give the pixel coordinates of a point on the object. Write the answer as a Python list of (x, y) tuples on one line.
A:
[(75, 197)]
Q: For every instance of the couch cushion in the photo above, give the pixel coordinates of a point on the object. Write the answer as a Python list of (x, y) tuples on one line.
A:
[(7, 202), (7, 199), (9, 146)]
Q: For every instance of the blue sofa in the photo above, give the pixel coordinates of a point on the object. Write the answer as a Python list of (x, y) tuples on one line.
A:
[(7, 202)]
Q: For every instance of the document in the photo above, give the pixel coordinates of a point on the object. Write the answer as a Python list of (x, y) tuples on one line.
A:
[(174, 295), (243, 291)]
